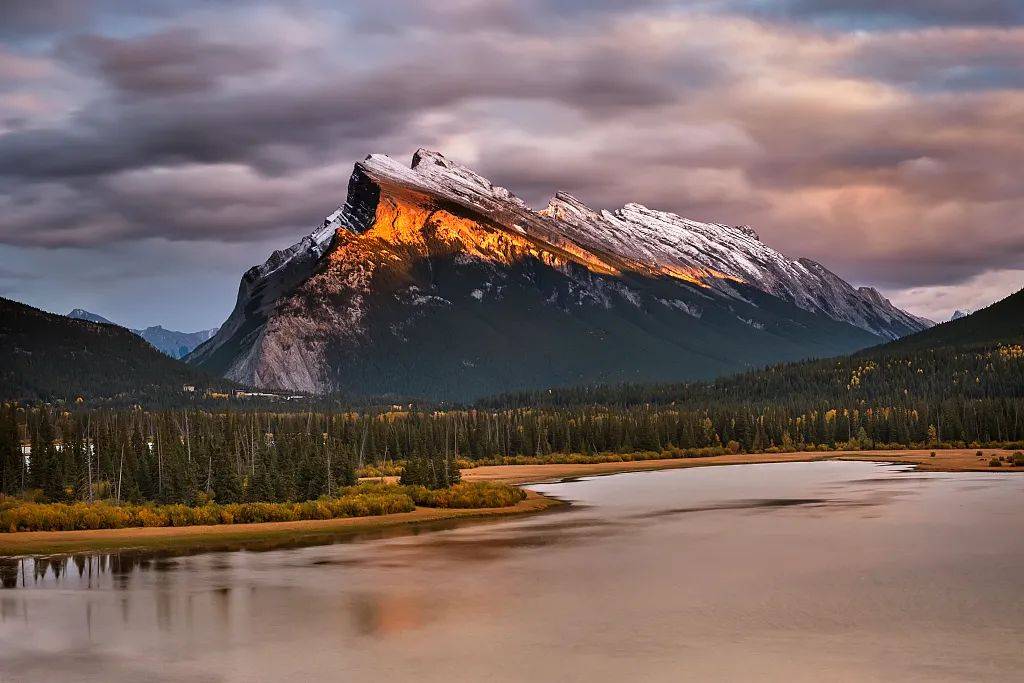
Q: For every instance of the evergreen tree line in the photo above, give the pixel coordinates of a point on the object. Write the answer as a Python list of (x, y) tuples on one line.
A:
[(193, 457), (187, 457)]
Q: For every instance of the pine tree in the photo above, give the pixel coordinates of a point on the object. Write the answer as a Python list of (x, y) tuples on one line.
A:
[(11, 461)]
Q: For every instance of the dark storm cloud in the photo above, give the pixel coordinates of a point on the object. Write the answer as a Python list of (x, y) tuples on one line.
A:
[(111, 138), (171, 61)]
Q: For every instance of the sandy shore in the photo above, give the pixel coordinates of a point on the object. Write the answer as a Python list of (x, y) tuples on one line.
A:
[(965, 460), (52, 542), (955, 460), (533, 474)]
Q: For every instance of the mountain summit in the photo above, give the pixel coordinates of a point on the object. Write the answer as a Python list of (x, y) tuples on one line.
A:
[(171, 342), (82, 314), (432, 281)]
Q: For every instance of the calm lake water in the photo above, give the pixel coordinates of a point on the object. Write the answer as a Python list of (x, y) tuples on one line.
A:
[(805, 571)]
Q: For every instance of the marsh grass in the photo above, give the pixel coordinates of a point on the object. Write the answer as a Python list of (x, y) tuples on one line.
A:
[(363, 500)]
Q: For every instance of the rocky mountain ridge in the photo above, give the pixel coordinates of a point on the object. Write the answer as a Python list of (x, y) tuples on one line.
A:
[(415, 249)]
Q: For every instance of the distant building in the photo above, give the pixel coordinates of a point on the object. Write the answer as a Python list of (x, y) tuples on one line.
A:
[(255, 394), (190, 388)]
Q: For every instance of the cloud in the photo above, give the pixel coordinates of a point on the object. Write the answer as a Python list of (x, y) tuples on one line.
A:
[(20, 18), (315, 113), (875, 13), (17, 69), (176, 60), (891, 153), (940, 301), (941, 58)]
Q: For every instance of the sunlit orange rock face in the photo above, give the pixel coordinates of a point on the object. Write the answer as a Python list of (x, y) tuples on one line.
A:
[(408, 224), (404, 229), (697, 276)]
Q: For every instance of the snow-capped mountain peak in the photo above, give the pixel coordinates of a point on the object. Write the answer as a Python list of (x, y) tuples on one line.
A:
[(638, 238), (411, 241)]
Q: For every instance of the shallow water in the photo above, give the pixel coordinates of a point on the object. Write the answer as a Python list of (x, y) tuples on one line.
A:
[(803, 571)]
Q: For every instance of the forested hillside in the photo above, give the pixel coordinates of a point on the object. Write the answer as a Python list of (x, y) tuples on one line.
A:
[(50, 357), (976, 357), (961, 382), (1002, 322)]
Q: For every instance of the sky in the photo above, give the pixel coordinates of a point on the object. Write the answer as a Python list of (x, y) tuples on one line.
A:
[(151, 152)]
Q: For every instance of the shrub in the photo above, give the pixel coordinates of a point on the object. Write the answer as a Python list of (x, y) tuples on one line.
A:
[(378, 470), (360, 500), (1018, 459), (995, 462), (477, 494), (148, 517), (252, 513)]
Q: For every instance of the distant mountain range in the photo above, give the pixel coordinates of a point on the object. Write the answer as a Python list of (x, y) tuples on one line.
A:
[(47, 356), (174, 344), (431, 281)]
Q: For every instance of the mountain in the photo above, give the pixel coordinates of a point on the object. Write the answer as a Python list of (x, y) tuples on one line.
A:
[(47, 356), (977, 358), (431, 281), (957, 314), (1000, 323), (174, 344), (82, 314)]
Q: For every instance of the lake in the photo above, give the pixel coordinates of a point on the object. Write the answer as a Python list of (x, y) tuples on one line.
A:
[(803, 571)]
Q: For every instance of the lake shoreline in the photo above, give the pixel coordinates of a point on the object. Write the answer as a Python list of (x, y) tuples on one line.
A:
[(210, 537), (953, 460), (25, 543)]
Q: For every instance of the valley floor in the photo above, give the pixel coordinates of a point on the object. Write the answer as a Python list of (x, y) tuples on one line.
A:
[(317, 531)]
